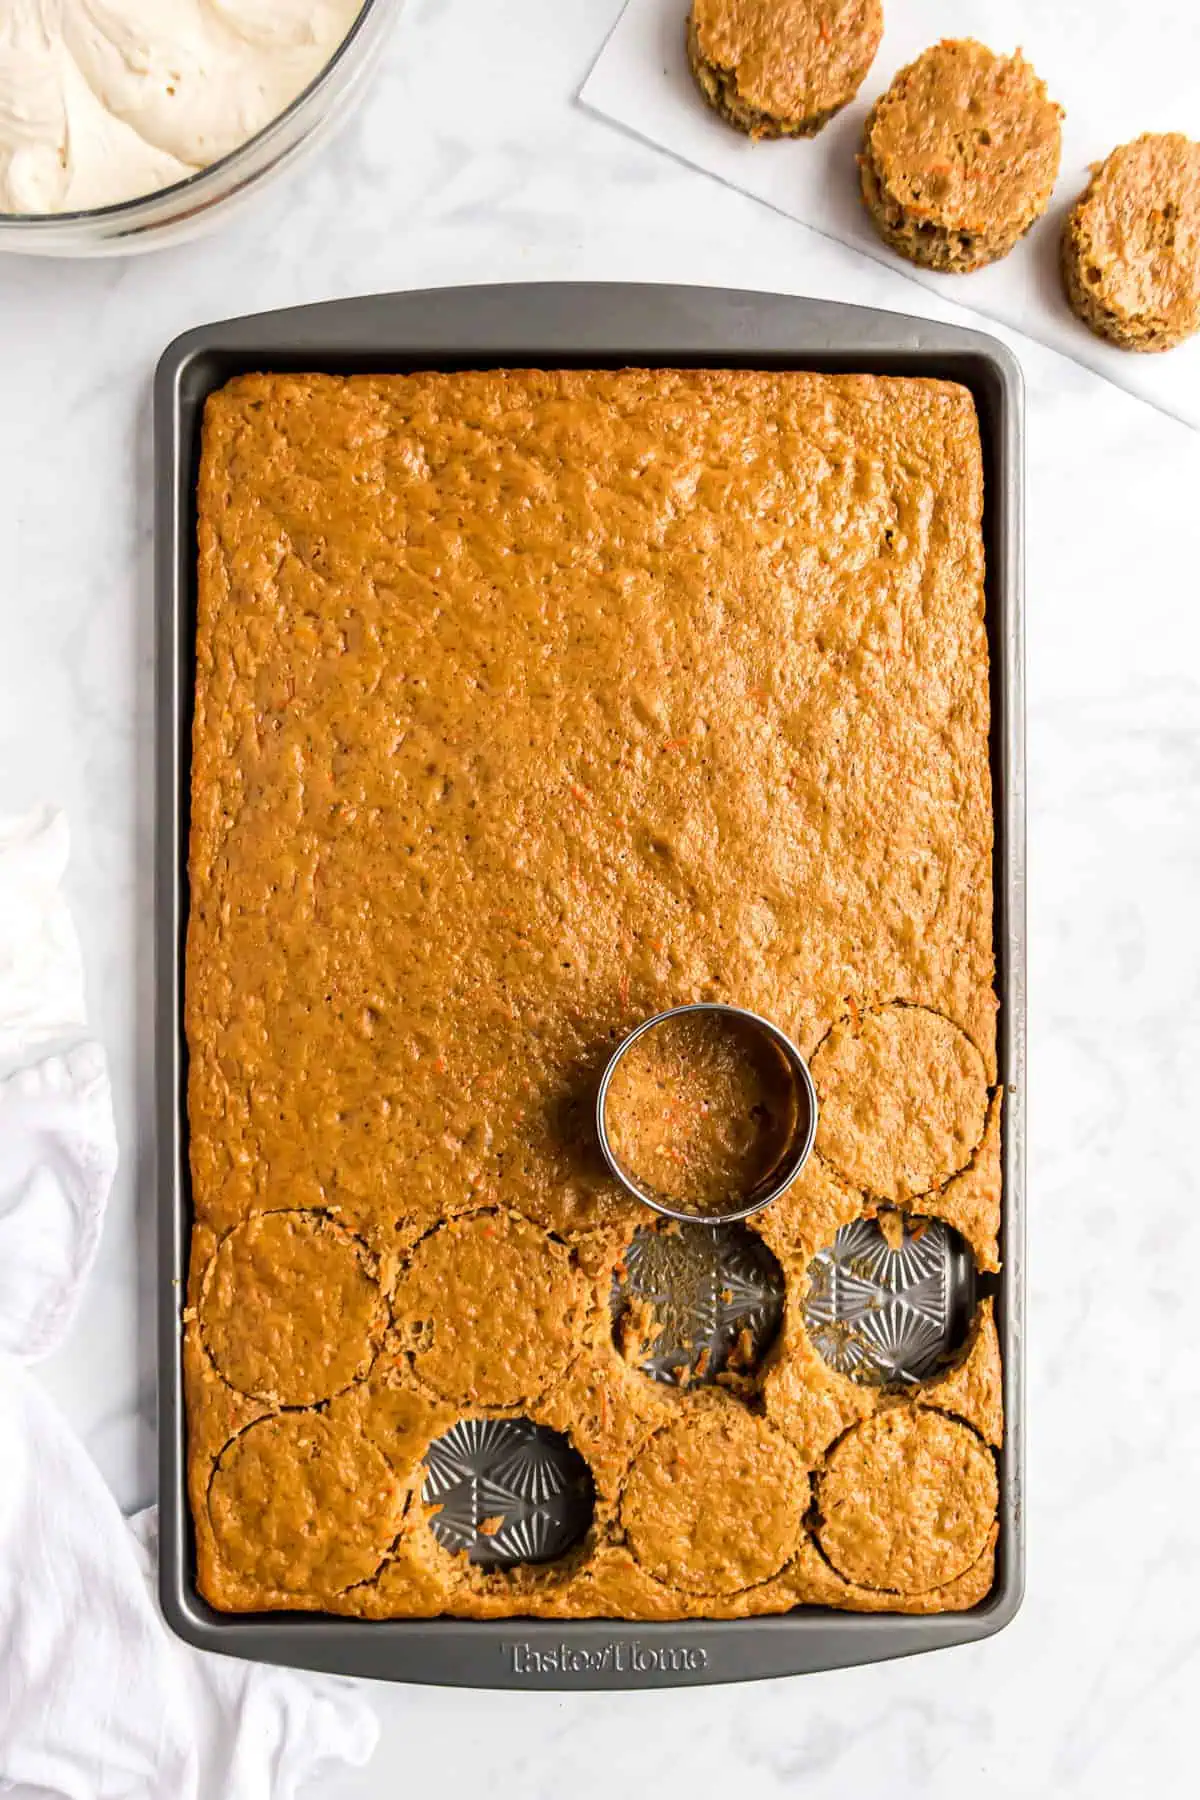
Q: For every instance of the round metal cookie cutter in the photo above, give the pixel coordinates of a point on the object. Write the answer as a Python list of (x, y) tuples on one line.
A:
[(782, 1172)]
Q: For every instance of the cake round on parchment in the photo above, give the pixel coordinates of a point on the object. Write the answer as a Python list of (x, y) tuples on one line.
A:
[(960, 156), (782, 68), (1131, 244)]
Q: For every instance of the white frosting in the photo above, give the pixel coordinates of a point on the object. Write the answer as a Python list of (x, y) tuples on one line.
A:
[(105, 100)]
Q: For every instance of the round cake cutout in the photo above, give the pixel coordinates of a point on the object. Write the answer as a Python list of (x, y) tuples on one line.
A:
[(713, 1503), (904, 1099), (782, 68), (1131, 244), (290, 1311), (489, 1304), (298, 1504), (906, 1501), (960, 156)]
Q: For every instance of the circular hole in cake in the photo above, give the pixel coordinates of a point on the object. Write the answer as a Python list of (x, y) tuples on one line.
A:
[(696, 1304), (507, 1491), (890, 1301), (904, 1097)]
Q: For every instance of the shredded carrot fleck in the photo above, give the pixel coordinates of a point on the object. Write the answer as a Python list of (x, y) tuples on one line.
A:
[(826, 31), (440, 1064), (580, 793), (675, 744)]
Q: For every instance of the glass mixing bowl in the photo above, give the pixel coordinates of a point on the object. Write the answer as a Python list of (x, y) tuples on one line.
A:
[(189, 207)]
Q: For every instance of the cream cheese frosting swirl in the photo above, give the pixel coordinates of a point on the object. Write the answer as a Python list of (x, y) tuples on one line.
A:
[(106, 100)]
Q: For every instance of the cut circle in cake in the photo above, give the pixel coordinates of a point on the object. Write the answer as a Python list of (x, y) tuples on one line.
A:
[(696, 1304), (290, 1310), (488, 1307), (713, 1503), (906, 1501), (904, 1099), (891, 1300), (298, 1503)]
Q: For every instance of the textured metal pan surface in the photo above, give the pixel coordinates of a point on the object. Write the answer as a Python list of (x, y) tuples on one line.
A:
[(891, 1313)]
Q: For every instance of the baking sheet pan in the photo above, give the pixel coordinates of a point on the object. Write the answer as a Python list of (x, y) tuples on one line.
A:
[(559, 326)]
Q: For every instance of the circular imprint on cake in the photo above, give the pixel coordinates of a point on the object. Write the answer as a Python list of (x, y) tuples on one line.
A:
[(694, 1304), (904, 1099), (289, 1310), (299, 1504), (489, 1305), (890, 1302), (906, 1501), (507, 1491), (713, 1503)]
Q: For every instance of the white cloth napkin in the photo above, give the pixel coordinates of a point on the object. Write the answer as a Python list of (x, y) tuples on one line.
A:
[(98, 1701), (58, 1156), (41, 970), (1118, 70)]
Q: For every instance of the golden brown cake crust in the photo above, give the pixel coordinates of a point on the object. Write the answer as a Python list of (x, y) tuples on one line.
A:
[(782, 68), (526, 706), (1131, 244), (960, 156)]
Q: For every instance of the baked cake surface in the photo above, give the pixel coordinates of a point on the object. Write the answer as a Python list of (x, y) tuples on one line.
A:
[(529, 703)]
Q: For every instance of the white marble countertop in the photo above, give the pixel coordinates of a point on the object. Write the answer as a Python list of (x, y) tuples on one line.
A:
[(469, 162)]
